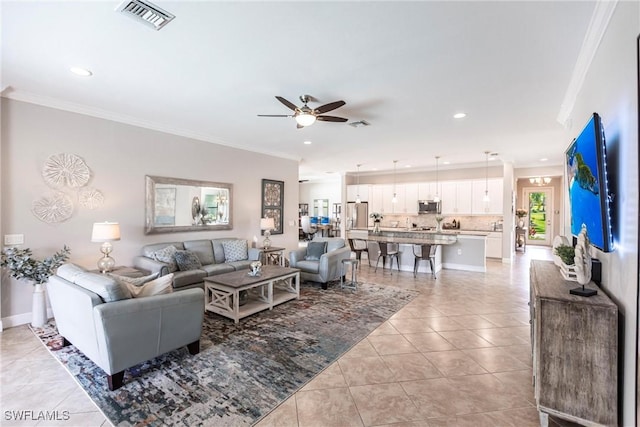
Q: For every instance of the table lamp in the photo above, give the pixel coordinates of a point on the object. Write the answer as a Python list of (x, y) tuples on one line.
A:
[(266, 225), (105, 232)]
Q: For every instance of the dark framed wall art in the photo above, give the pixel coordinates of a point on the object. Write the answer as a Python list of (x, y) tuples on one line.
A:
[(273, 202)]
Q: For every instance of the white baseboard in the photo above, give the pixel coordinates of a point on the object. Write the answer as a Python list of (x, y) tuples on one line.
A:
[(20, 319), (464, 267)]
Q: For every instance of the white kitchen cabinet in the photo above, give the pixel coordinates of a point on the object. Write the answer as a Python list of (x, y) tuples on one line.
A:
[(375, 199), (495, 190), (494, 245), (380, 196), (456, 197), (429, 190), (354, 190), (411, 199)]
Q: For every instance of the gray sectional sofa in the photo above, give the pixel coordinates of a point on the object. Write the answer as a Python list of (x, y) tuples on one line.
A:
[(210, 253)]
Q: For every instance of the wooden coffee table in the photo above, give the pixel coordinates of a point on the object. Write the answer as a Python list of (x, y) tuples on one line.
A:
[(274, 286)]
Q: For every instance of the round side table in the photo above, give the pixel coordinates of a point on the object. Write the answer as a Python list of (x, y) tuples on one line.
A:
[(353, 283)]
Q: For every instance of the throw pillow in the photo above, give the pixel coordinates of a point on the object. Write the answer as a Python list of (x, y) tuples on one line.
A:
[(159, 286), (315, 250), (167, 255), (134, 281), (187, 260), (235, 250)]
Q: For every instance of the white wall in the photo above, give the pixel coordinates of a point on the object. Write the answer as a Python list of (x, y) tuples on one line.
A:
[(610, 89), (119, 157)]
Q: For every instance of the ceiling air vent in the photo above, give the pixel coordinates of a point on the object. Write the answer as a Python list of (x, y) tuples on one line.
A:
[(145, 12), (359, 123)]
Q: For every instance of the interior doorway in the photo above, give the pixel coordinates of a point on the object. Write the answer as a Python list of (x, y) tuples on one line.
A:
[(540, 205)]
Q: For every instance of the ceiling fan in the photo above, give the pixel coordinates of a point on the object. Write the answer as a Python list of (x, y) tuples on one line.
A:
[(306, 116)]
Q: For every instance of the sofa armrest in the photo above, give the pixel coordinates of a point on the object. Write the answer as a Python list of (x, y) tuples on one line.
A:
[(331, 263), (134, 330), (297, 255), (142, 262)]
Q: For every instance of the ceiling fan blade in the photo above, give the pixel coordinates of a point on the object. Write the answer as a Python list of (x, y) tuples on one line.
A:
[(331, 119), (299, 126), (274, 115), (330, 106), (287, 103)]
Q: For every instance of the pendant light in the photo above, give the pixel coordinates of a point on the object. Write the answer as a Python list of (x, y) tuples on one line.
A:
[(486, 179), (395, 199), (358, 201), (437, 198)]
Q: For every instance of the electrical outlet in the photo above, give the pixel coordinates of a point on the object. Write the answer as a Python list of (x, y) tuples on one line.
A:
[(459, 251), (14, 239)]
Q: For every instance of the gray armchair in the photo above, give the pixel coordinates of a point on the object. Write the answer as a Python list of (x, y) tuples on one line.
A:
[(115, 331), (329, 265)]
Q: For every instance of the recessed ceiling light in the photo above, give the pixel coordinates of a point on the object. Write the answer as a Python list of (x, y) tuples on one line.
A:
[(307, 143), (446, 162), (544, 159), (460, 115), (79, 71), (407, 166)]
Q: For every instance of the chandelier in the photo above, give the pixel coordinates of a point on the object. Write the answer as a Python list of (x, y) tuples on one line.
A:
[(540, 180)]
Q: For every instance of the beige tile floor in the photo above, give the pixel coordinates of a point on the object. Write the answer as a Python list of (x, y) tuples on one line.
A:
[(457, 355)]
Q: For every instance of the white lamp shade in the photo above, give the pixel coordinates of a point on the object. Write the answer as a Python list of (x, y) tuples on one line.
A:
[(305, 119), (267, 224), (105, 232)]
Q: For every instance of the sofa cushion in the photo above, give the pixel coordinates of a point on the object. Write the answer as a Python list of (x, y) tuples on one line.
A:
[(241, 265), (213, 269), (166, 255), (187, 260), (315, 250), (235, 250), (202, 248), (187, 278), (101, 284), (158, 286), (308, 266)]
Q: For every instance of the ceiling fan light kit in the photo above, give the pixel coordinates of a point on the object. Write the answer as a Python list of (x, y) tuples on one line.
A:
[(306, 116)]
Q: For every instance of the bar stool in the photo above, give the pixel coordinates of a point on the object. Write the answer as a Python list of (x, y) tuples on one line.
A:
[(353, 283), (388, 250), (424, 252), (358, 246)]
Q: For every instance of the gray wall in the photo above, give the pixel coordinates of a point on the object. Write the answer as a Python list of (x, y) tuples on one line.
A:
[(119, 157), (610, 89)]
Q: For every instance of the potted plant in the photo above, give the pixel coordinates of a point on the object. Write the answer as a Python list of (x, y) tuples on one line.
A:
[(377, 217), (566, 254), (22, 266)]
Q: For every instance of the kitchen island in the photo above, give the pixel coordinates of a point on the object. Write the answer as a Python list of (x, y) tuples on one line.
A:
[(457, 250)]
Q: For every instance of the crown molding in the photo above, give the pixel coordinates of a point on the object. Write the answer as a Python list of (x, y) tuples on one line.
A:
[(133, 121), (595, 31)]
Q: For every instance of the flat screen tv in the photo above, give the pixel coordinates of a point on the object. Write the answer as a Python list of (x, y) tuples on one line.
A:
[(586, 162)]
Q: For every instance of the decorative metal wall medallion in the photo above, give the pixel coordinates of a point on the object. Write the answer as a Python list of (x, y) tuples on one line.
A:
[(90, 198), (52, 208), (65, 169)]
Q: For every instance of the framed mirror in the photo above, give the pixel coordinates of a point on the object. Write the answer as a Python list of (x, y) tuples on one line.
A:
[(175, 205)]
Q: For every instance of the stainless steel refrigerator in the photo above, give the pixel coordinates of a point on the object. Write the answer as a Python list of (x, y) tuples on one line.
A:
[(357, 215)]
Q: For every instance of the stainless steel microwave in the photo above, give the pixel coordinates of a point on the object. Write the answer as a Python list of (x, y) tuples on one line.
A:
[(429, 207)]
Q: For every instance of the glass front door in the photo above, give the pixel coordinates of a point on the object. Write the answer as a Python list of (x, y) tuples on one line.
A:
[(540, 215)]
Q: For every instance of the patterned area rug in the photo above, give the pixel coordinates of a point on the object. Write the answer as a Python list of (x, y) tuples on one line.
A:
[(242, 371)]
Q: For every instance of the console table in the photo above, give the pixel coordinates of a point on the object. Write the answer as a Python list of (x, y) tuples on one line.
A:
[(575, 350)]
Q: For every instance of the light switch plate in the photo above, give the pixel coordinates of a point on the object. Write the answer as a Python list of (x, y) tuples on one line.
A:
[(14, 239)]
